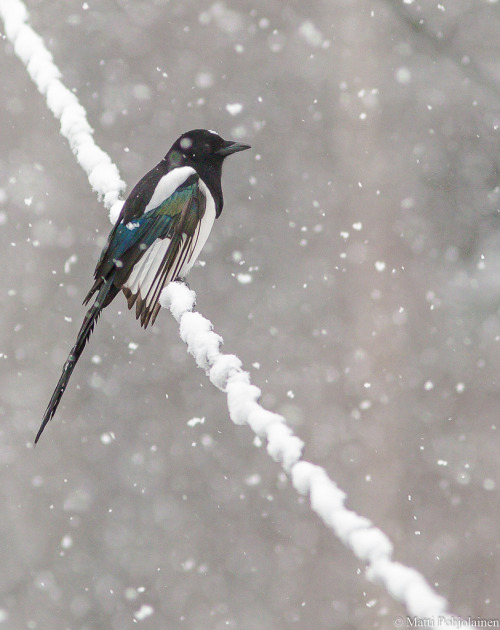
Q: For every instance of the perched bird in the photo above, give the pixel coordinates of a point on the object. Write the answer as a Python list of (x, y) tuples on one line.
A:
[(161, 230)]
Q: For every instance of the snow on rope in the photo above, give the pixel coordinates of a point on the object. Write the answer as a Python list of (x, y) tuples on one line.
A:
[(368, 543), (30, 48)]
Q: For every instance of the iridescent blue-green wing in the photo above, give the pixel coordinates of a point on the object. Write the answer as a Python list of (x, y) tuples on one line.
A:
[(133, 208), (167, 258), (130, 239)]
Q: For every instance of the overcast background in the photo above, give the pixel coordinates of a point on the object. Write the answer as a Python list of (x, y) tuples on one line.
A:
[(366, 217)]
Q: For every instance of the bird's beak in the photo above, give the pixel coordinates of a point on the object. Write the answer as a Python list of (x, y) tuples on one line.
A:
[(230, 147)]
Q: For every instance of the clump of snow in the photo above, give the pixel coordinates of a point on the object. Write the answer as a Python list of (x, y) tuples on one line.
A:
[(178, 298), (234, 108), (223, 367), (67, 541), (144, 612), (70, 262), (403, 75), (114, 211), (108, 437), (195, 421), (244, 278), (311, 33), (253, 480)]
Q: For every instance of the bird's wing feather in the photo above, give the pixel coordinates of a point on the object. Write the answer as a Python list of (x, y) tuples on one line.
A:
[(151, 249), (168, 255), (133, 208), (148, 213)]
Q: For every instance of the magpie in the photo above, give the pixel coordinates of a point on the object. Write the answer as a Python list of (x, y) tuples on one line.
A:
[(161, 230)]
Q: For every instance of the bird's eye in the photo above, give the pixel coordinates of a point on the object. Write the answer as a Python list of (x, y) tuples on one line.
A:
[(186, 143)]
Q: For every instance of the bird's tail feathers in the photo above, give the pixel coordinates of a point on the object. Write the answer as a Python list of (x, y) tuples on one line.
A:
[(106, 293)]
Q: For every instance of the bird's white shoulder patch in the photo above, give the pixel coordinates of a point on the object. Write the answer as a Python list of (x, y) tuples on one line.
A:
[(214, 132), (169, 184)]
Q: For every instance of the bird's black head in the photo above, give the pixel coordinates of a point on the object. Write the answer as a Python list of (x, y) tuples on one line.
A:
[(205, 151), (200, 147)]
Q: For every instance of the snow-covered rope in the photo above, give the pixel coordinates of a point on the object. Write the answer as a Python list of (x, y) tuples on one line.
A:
[(30, 48), (368, 543)]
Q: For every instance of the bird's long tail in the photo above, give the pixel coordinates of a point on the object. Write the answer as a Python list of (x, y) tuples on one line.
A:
[(106, 293)]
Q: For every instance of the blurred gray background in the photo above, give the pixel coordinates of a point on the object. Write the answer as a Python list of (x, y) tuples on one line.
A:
[(365, 224)]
